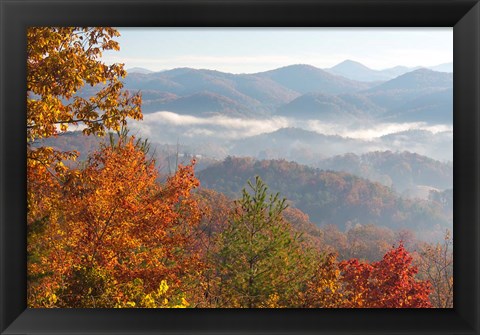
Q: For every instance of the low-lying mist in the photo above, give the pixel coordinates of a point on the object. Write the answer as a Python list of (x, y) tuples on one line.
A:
[(304, 141)]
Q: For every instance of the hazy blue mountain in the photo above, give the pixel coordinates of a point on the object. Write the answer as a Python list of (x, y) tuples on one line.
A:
[(306, 78), (357, 71), (437, 145), (421, 79), (151, 81), (265, 90), (420, 95), (435, 107), (251, 88), (295, 144), (186, 81), (205, 104), (249, 92), (310, 147), (445, 67), (361, 102), (139, 70), (301, 91), (152, 100), (325, 107), (396, 71)]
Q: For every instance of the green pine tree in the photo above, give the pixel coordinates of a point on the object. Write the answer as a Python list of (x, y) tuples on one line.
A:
[(262, 263)]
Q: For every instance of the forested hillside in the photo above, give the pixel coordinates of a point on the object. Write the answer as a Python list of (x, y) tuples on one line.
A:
[(330, 197), (401, 170)]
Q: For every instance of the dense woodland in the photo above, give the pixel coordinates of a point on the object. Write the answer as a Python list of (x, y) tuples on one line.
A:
[(107, 228)]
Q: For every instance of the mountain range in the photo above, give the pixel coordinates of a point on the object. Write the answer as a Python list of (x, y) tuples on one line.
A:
[(299, 91), (357, 71)]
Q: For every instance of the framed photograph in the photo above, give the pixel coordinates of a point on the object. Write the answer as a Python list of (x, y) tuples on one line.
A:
[(240, 167)]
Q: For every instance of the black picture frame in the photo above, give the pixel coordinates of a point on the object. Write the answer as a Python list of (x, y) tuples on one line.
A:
[(463, 15)]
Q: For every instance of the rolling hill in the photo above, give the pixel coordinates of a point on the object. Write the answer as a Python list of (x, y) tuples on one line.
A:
[(420, 80), (331, 108), (248, 92), (405, 171), (328, 197)]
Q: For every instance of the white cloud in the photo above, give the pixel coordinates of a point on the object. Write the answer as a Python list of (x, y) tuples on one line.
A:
[(200, 132), (216, 126), (372, 131), (232, 128)]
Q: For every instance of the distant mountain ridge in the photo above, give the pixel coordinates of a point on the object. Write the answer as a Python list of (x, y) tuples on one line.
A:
[(420, 79), (297, 91), (421, 95), (304, 78), (353, 70), (255, 93), (340, 108), (139, 70), (356, 71)]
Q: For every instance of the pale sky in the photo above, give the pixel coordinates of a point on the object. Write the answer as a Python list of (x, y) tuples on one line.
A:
[(249, 50)]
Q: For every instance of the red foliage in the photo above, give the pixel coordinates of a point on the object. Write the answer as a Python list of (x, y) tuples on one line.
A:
[(389, 283)]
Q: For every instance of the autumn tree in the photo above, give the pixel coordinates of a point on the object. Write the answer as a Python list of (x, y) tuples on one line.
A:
[(261, 262), (334, 241), (435, 263), (388, 283), (215, 210), (60, 62), (369, 242), (67, 84), (324, 288), (112, 230), (300, 222)]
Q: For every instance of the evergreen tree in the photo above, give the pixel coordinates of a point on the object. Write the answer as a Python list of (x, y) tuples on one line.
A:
[(261, 259)]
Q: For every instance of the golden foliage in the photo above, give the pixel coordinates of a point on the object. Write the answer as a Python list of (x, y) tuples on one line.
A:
[(107, 224)]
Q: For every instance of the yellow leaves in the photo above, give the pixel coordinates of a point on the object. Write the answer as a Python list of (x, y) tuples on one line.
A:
[(185, 303), (163, 288), (148, 301), (273, 301), (136, 296), (52, 298), (59, 62)]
